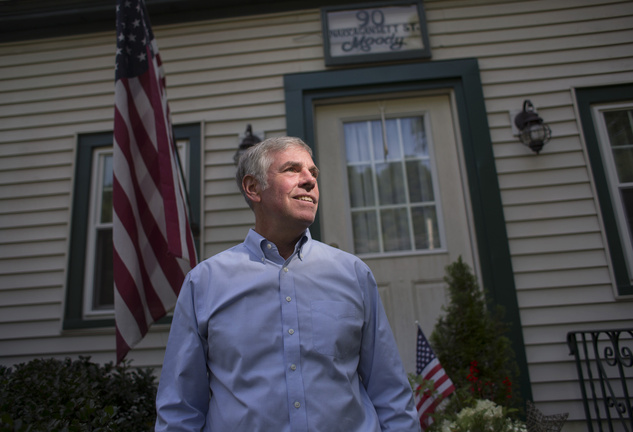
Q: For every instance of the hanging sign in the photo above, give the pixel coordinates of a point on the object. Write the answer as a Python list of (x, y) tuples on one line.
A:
[(377, 32)]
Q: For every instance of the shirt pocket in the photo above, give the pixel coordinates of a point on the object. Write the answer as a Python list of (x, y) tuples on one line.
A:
[(336, 328)]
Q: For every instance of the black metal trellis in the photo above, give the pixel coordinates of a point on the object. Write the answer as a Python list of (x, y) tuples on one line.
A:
[(604, 362)]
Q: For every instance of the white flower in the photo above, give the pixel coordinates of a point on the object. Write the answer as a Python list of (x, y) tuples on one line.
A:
[(485, 416)]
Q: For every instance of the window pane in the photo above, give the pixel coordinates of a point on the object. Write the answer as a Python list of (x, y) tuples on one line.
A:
[(365, 232), (619, 127), (414, 137), (395, 230), (357, 142), (623, 158), (103, 294), (627, 203), (377, 140), (391, 150), (106, 190), (420, 181), (425, 228), (390, 180), (392, 127), (182, 146), (361, 185)]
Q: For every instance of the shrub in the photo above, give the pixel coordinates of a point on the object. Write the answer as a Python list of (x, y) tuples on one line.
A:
[(471, 343), (56, 395)]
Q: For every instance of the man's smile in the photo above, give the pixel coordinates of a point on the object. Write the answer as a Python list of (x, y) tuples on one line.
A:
[(306, 198)]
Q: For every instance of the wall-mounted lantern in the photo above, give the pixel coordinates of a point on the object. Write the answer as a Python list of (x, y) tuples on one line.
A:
[(533, 132), (249, 141)]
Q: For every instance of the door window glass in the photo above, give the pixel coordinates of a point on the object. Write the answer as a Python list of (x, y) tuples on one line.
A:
[(391, 185)]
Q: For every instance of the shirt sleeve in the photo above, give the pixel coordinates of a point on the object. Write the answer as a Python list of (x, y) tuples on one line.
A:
[(183, 393), (380, 366)]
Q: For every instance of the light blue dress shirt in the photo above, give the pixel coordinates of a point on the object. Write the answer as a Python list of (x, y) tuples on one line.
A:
[(259, 343)]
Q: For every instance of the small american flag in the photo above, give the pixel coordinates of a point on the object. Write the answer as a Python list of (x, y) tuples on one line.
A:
[(153, 244), (429, 368)]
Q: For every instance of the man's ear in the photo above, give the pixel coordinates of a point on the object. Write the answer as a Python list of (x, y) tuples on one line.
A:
[(251, 188)]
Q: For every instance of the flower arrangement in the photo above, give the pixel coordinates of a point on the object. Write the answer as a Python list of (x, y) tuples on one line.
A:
[(485, 416), (470, 341)]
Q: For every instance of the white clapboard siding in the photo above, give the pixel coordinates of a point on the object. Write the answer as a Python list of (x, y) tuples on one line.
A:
[(225, 74)]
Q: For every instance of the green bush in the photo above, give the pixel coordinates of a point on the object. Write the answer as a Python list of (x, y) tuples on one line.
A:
[(56, 395), (471, 343)]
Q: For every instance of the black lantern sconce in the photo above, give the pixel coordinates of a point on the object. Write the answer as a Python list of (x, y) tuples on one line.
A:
[(249, 141), (533, 133)]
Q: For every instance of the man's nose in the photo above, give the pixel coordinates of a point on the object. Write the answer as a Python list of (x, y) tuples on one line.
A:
[(308, 180)]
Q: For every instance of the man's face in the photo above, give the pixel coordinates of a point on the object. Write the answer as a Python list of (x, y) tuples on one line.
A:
[(291, 199)]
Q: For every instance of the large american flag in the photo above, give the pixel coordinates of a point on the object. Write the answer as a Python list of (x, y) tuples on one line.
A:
[(429, 368), (153, 244)]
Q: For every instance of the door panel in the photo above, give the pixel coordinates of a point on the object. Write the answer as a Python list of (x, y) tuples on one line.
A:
[(400, 157)]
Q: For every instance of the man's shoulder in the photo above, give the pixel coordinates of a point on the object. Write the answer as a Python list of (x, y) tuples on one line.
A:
[(331, 248), (334, 252), (229, 255)]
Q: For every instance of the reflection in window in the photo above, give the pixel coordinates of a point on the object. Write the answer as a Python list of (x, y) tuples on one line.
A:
[(391, 186)]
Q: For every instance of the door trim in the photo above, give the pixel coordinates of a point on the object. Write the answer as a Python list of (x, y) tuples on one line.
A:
[(303, 90)]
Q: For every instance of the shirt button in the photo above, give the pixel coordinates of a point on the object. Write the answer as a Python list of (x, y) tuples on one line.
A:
[(293, 367), (269, 246), (297, 405), (288, 299), (286, 269), (291, 331)]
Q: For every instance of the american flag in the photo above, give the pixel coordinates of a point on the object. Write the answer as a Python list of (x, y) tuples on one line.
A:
[(429, 368), (153, 244)]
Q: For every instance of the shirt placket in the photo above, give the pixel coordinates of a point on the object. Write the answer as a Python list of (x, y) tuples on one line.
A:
[(291, 337)]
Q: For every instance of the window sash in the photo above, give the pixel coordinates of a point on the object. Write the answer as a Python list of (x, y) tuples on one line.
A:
[(98, 298), (614, 127)]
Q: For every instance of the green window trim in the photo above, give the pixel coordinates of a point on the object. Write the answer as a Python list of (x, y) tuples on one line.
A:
[(86, 145), (461, 76), (585, 98)]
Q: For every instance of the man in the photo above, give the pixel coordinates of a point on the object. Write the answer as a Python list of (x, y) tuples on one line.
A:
[(282, 333)]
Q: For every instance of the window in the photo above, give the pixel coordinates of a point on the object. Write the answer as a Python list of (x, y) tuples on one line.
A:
[(615, 136), (90, 293), (606, 119), (98, 285), (391, 185)]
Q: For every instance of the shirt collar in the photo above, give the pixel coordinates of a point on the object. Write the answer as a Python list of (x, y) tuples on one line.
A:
[(301, 249), (264, 249)]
